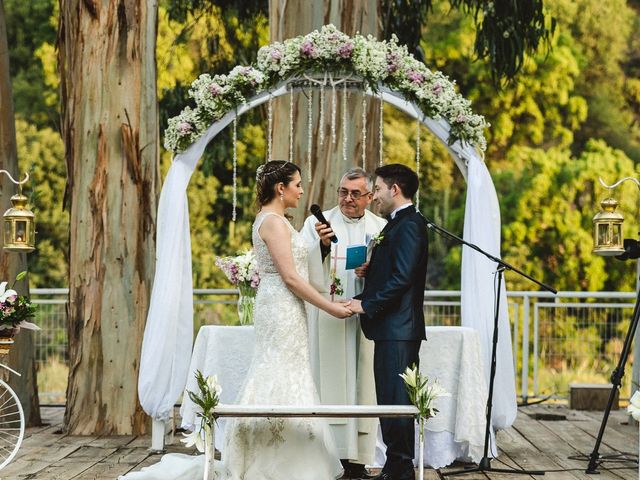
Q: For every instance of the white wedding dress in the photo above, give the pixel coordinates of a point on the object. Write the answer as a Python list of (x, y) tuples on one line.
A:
[(280, 374)]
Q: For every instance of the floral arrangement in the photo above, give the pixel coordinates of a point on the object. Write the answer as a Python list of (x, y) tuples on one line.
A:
[(207, 400), (377, 63), (15, 309), (422, 394), (242, 272)]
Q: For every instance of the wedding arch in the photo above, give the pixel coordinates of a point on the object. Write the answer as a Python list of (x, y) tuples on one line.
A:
[(382, 69)]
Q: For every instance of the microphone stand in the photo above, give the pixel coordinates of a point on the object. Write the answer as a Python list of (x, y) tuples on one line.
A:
[(485, 463)]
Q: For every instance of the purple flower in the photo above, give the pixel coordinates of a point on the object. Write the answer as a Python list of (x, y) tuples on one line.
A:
[(215, 89), (307, 48), (437, 89), (345, 50), (392, 62), (275, 54), (461, 118), (184, 128), (415, 77)]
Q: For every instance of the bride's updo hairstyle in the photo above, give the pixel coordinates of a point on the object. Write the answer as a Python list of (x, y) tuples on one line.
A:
[(269, 175)]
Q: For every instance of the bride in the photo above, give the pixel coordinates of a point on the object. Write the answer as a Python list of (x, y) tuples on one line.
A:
[(280, 372)]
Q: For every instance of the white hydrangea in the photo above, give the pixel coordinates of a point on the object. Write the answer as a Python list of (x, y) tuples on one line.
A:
[(370, 58), (183, 130)]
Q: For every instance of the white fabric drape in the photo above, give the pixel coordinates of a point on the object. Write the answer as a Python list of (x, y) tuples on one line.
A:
[(168, 335), (482, 228)]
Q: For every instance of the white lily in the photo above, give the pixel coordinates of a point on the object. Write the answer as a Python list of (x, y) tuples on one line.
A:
[(634, 406), (5, 294), (213, 385), (409, 376), (194, 438)]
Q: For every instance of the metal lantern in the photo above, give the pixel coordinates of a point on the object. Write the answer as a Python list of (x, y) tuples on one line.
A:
[(19, 226), (607, 230)]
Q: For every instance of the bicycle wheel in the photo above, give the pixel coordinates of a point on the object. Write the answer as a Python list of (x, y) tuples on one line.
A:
[(11, 424)]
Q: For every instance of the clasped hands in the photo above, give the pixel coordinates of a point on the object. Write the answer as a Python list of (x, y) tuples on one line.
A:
[(346, 308)]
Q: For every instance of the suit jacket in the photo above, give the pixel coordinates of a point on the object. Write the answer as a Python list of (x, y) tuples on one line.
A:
[(393, 295)]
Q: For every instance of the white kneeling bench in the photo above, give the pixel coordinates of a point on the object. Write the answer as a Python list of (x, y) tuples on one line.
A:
[(325, 411)]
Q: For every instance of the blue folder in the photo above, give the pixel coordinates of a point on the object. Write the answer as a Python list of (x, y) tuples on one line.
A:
[(356, 256)]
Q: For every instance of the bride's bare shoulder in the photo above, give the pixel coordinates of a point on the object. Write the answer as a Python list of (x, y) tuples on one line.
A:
[(274, 226)]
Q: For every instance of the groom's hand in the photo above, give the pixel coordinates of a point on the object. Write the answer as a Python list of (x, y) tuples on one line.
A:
[(356, 306), (325, 233)]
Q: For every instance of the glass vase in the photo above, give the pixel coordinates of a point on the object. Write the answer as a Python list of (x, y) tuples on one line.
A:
[(246, 301)]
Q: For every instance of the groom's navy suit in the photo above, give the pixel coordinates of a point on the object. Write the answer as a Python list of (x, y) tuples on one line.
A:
[(392, 300)]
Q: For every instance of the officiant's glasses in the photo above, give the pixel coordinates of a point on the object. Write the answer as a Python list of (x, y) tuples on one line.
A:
[(355, 194)]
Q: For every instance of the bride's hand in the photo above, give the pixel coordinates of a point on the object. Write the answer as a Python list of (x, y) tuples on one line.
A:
[(341, 309)]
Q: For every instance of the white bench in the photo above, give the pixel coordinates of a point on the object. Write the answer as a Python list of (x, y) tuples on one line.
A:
[(326, 411)]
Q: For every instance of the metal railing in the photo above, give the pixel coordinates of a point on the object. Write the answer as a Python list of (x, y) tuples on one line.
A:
[(557, 340)]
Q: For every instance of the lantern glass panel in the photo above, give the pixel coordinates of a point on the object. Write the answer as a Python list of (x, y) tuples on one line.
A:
[(21, 231), (603, 234), (616, 234)]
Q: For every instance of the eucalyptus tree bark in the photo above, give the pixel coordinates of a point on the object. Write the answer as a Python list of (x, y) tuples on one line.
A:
[(110, 130), (22, 356), (289, 18)]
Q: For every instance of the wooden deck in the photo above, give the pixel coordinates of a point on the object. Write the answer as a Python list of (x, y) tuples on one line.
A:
[(543, 437)]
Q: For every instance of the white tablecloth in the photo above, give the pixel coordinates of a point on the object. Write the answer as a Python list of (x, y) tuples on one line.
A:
[(450, 354)]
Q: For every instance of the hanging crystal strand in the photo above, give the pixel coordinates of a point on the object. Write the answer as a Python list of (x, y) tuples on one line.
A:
[(291, 124), (235, 168), (381, 132), (269, 128), (309, 130), (344, 121), (321, 121), (364, 130), (418, 162), (334, 107)]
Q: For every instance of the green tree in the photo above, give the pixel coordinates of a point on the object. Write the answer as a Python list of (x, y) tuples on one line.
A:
[(44, 150), (32, 24)]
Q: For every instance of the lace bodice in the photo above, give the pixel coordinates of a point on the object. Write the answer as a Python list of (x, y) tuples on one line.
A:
[(263, 257)]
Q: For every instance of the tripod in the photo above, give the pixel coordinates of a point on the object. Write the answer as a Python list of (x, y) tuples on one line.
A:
[(485, 463), (616, 381)]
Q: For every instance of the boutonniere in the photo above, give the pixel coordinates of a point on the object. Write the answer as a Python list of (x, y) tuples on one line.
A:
[(377, 238)]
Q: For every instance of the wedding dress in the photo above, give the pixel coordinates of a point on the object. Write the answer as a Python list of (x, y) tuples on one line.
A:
[(280, 374)]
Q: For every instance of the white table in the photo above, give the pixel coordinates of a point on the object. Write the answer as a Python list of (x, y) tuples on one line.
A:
[(451, 354)]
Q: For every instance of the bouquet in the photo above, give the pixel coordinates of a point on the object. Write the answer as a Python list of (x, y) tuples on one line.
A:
[(242, 272), (15, 309)]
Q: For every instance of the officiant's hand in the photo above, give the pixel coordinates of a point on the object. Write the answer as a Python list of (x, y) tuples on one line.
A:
[(325, 233), (361, 271), (340, 309)]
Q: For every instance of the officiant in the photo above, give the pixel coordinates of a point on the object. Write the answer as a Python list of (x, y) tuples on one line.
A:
[(341, 357)]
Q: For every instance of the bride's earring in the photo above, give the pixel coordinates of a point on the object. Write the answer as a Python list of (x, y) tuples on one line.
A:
[(282, 196)]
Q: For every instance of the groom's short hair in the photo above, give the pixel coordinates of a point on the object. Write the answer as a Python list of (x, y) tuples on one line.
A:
[(401, 175)]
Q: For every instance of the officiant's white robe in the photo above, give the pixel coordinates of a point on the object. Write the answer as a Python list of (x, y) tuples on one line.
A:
[(341, 357)]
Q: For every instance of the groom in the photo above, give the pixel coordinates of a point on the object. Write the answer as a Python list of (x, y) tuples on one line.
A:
[(391, 307)]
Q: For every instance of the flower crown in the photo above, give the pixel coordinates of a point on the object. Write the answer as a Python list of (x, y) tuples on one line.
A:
[(260, 170)]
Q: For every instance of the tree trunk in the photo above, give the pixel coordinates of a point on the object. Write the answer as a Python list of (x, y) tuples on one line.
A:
[(110, 129), (289, 18), (22, 356)]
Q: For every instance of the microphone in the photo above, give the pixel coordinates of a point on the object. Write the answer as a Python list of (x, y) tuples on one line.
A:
[(317, 212)]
